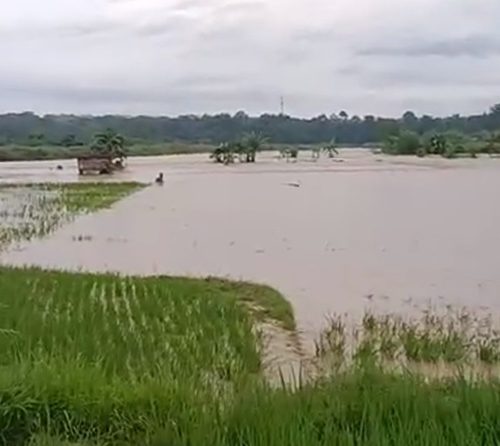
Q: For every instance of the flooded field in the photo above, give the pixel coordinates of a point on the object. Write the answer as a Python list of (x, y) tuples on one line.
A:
[(335, 237)]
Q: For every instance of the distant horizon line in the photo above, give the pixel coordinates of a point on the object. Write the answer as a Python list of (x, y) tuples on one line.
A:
[(233, 115)]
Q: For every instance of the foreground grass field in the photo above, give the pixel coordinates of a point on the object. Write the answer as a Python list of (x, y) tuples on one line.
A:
[(105, 360)]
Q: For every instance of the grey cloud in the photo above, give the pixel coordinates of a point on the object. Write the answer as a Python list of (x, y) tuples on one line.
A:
[(162, 26), (472, 46), (86, 29), (87, 94), (204, 81), (182, 56), (401, 78), (186, 5), (170, 100), (216, 5), (243, 6), (316, 36)]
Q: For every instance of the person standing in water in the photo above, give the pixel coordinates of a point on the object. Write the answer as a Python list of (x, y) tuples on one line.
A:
[(159, 179)]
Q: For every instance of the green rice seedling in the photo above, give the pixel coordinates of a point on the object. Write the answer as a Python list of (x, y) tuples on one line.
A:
[(452, 338), (369, 323), (488, 348), (332, 340), (486, 342), (455, 344), (389, 327), (366, 347), (434, 339)]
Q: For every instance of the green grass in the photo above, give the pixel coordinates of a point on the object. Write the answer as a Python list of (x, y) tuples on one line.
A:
[(107, 360), (364, 407)]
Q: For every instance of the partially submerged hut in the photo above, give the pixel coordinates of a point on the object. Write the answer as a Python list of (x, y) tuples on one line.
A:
[(106, 154), (95, 163)]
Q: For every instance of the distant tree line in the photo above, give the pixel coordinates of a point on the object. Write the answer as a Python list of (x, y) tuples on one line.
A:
[(68, 130)]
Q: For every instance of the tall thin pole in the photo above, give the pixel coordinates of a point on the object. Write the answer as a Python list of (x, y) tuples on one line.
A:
[(282, 105)]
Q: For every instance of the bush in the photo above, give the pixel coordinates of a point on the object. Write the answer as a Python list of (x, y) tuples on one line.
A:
[(406, 143), (450, 151)]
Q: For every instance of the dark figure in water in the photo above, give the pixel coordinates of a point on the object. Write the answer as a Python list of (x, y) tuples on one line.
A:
[(159, 178)]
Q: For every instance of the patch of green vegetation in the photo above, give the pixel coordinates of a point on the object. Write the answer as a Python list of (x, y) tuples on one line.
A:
[(91, 197), (103, 360), (455, 338), (35, 210), (446, 144)]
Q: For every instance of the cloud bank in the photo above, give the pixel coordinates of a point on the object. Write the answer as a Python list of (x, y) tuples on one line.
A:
[(170, 57)]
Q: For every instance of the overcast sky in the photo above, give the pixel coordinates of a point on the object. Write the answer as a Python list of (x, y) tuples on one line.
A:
[(170, 57)]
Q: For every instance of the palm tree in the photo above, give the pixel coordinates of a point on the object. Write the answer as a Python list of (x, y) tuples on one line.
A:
[(224, 153), (218, 154), (252, 143), (240, 150), (109, 143), (331, 148)]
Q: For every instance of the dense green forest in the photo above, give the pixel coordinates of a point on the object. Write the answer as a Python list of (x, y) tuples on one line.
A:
[(29, 129)]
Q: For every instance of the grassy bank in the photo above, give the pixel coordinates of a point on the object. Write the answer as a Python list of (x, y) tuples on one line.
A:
[(106, 360)]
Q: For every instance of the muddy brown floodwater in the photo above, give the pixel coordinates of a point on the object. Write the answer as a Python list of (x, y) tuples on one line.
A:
[(394, 233)]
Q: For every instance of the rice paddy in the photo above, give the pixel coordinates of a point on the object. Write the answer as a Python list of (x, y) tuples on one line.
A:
[(97, 344), (35, 210), (104, 360), (91, 359), (441, 342)]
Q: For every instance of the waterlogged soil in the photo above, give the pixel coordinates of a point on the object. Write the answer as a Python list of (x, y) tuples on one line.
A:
[(334, 236)]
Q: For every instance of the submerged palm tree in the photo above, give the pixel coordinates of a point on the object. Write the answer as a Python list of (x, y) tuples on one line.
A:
[(331, 148), (252, 142), (218, 154), (224, 153), (245, 149)]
